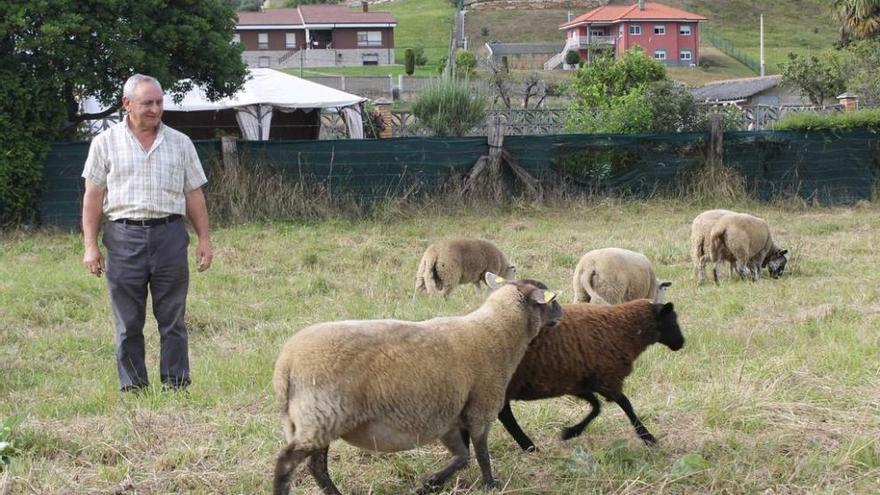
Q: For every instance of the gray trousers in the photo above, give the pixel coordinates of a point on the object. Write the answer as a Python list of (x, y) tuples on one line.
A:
[(150, 258)]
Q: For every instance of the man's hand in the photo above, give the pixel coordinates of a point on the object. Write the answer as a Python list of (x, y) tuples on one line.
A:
[(93, 260), (204, 255)]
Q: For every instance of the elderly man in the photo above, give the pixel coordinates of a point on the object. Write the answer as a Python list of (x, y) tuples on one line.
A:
[(142, 177)]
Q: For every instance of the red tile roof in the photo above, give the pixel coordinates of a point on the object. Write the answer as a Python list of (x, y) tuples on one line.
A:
[(342, 14), (617, 13), (313, 14), (270, 16)]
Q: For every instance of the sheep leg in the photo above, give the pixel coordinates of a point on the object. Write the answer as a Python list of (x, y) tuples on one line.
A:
[(288, 459), (454, 440), (512, 427), (715, 272), (481, 450), (576, 430), (318, 468), (641, 431)]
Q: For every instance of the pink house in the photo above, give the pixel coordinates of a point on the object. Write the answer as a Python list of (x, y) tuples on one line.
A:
[(670, 35)]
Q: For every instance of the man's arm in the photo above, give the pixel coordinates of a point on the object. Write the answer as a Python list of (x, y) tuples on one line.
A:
[(197, 212), (93, 203)]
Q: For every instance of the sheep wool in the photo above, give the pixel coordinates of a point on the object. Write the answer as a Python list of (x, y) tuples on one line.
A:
[(449, 263), (391, 385), (745, 241), (614, 275), (701, 254)]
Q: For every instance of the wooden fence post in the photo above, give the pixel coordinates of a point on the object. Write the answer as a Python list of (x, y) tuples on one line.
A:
[(495, 136), (229, 151)]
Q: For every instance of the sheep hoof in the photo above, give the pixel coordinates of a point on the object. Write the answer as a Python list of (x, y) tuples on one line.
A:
[(429, 486), (532, 449), (492, 484), (649, 439)]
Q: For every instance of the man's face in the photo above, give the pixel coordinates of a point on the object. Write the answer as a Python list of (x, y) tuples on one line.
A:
[(145, 106)]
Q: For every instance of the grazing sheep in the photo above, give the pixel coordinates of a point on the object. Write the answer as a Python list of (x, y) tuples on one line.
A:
[(700, 248), (745, 241), (614, 275), (449, 263), (591, 350), (392, 385)]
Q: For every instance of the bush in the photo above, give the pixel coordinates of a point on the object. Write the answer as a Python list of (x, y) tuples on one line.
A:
[(465, 63), (505, 64), (484, 31), (572, 57), (419, 54), (449, 107), (810, 121), (409, 58), (374, 124)]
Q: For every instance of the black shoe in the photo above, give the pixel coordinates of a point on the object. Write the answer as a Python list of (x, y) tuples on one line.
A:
[(175, 384), (135, 389)]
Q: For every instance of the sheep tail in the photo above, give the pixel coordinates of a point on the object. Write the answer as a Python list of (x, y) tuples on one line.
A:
[(595, 298), (420, 274), (436, 280), (717, 242), (284, 393)]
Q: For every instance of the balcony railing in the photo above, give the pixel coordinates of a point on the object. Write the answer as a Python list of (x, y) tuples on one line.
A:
[(583, 42)]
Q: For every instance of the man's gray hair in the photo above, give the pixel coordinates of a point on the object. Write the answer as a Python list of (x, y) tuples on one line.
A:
[(132, 83)]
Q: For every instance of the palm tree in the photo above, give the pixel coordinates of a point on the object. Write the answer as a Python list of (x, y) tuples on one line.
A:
[(859, 19)]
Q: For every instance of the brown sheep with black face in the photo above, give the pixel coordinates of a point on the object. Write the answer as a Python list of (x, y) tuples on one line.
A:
[(591, 350), (391, 385)]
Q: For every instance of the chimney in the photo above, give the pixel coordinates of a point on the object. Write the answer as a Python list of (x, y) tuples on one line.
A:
[(641, 4), (365, 6)]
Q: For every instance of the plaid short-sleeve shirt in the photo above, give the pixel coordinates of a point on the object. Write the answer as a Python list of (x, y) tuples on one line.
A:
[(143, 184)]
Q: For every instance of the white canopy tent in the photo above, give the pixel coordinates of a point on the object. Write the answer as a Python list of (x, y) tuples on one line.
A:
[(264, 92)]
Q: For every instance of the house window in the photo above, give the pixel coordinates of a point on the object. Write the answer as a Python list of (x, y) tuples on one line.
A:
[(289, 40), (370, 59), (369, 38), (264, 62), (660, 29), (660, 54), (685, 55), (262, 41), (597, 32), (635, 29), (236, 38), (684, 30)]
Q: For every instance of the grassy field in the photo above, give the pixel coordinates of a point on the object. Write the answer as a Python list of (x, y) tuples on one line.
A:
[(424, 23), (776, 390)]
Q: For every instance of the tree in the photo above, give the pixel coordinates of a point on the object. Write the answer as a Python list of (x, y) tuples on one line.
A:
[(55, 52), (861, 71), (608, 77), (859, 19), (818, 77), (572, 57), (409, 59)]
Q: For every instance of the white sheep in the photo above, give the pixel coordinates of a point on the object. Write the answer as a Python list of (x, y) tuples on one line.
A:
[(701, 227), (448, 263), (390, 385), (745, 240), (614, 276)]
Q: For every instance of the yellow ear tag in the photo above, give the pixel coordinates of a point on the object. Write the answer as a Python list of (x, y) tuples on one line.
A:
[(499, 279), (549, 296)]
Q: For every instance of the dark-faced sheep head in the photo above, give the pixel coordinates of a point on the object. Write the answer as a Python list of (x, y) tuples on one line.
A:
[(667, 326), (775, 262), (548, 308)]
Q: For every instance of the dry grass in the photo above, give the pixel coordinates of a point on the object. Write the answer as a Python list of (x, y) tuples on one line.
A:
[(776, 390)]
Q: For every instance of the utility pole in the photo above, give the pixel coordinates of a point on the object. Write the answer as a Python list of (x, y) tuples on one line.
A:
[(762, 45)]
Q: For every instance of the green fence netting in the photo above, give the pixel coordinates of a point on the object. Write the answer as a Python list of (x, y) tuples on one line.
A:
[(831, 167)]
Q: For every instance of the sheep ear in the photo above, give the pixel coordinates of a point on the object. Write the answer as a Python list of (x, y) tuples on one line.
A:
[(783, 252), (664, 284), (494, 281), (543, 296), (667, 308)]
